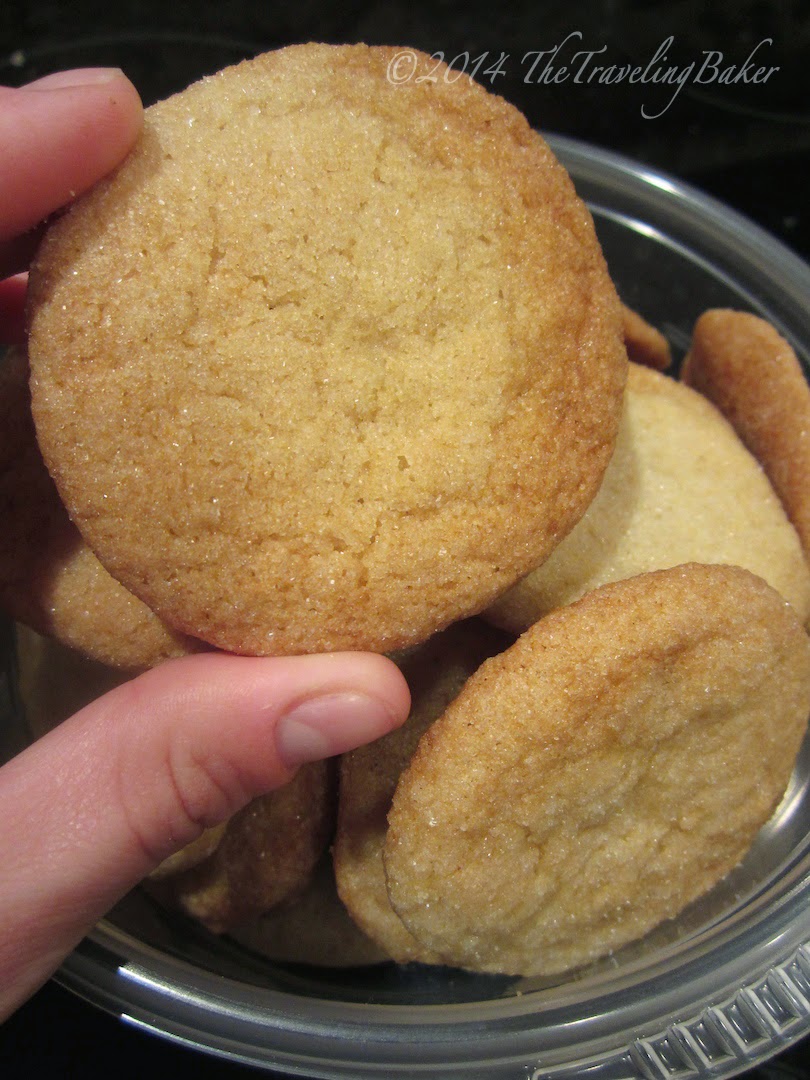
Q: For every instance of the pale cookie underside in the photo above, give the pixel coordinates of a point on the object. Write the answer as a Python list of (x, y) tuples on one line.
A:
[(681, 487)]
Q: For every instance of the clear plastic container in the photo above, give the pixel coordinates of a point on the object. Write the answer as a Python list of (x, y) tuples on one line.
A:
[(711, 993)]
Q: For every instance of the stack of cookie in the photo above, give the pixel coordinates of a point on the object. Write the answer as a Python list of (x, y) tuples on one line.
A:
[(335, 362)]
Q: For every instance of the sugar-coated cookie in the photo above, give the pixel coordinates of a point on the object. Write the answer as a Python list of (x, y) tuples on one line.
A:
[(267, 854), (49, 578), (331, 360), (743, 365), (603, 772), (435, 672), (681, 487)]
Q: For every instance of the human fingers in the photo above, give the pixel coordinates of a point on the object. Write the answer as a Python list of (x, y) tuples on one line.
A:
[(96, 804), (58, 136)]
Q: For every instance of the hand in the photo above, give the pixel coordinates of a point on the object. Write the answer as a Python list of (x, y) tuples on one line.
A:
[(95, 805)]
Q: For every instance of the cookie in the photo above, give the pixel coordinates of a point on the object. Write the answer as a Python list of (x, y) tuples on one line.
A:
[(753, 376), (266, 855), (435, 672), (313, 928), (606, 770), (49, 578), (192, 854), (644, 343), (681, 488), (331, 360)]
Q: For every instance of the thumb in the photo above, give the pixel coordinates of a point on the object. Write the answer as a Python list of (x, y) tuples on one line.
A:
[(98, 802)]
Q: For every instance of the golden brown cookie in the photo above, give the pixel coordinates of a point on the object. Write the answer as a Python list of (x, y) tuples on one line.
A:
[(312, 928), (644, 343), (681, 487), (754, 377), (267, 854), (331, 360), (49, 578), (609, 768), (435, 672)]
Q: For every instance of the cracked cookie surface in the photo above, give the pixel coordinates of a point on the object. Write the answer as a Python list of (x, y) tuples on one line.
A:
[(329, 362)]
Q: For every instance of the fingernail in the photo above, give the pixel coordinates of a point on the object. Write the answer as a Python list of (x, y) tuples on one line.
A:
[(331, 724), (75, 78)]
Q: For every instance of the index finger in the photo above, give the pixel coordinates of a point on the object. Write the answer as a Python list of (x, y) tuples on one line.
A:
[(58, 136)]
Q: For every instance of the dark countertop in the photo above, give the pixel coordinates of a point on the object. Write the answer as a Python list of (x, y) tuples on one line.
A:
[(746, 142)]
